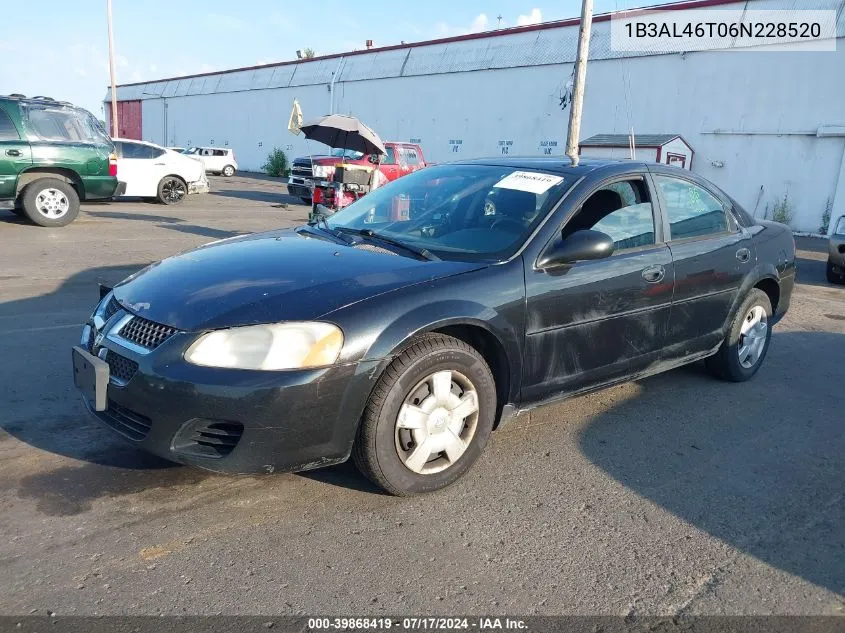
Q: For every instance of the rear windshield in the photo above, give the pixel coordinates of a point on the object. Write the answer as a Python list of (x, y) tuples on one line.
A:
[(58, 123)]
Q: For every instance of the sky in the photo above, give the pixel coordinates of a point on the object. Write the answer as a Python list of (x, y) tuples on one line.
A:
[(59, 48)]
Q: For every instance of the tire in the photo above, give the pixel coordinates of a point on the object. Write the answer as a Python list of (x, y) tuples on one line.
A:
[(17, 209), (171, 190), (832, 276), (228, 171), (742, 354), (394, 458), (50, 202)]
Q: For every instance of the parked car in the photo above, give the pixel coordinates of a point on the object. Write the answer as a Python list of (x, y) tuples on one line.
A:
[(53, 155), (308, 172), (836, 253), (403, 340), (151, 171), (180, 150), (217, 160)]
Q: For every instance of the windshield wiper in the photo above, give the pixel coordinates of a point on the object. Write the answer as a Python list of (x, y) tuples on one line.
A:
[(369, 233), (321, 219)]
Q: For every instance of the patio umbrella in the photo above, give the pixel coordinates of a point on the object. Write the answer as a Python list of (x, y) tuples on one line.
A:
[(345, 132)]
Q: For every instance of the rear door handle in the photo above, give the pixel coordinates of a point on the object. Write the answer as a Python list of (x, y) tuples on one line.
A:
[(13, 152), (159, 164), (743, 255), (654, 274)]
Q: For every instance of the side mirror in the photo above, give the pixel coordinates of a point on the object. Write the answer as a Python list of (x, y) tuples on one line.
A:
[(580, 246), (374, 159)]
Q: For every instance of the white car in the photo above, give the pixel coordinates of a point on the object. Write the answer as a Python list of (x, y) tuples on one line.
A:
[(152, 171), (217, 160)]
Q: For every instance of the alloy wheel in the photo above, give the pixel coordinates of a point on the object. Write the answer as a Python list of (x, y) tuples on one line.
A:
[(173, 190)]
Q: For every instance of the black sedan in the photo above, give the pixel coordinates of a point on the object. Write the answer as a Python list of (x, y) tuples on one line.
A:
[(403, 329)]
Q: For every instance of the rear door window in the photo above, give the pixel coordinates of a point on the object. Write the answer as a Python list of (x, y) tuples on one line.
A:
[(691, 210), (8, 132), (411, 156), (137, 150)]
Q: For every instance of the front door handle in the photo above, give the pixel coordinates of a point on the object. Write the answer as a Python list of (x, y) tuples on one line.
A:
[(13, 152), (654, 274), (743, 255)]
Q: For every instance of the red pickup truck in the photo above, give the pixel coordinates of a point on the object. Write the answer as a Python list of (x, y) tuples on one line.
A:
[(310, 171)]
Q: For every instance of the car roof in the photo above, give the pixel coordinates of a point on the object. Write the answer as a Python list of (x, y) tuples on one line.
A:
[(135, 140), (557, 164), (38, 99)]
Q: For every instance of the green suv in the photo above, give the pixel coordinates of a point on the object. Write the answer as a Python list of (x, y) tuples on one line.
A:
[(52, 155)]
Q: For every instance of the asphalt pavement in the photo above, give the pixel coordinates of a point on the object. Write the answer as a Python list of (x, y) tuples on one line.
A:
[(678, 494)]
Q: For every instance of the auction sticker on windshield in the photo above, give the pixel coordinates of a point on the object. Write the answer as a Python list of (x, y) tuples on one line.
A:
[(530, 181)]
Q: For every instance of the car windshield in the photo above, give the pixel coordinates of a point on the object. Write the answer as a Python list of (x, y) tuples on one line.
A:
[(62, 123), (461, 212), (346, 153), (840, 226), (193, 150)]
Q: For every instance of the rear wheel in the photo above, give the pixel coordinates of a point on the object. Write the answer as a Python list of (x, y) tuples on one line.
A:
[(428, 418), (747, 342), (172, 190), (50, 202), (833, 276), (228, 170)]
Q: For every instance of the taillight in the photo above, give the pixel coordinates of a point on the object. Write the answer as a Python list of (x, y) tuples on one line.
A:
[(112, 165), (234, 158)]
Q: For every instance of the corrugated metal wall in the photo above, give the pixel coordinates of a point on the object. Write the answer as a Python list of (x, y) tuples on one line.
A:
[(755, 112)]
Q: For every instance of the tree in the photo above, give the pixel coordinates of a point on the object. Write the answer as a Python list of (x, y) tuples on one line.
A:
[(308, 53)]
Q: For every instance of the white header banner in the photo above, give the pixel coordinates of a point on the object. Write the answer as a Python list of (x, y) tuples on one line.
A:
[(723, 29)]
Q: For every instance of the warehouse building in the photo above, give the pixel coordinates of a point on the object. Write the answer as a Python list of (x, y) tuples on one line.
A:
[(764, 125)]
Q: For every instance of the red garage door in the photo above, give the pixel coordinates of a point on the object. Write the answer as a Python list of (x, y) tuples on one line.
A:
[(128, 119)]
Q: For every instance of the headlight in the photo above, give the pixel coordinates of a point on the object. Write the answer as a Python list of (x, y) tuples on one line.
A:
[(322, 171), (294, 345)]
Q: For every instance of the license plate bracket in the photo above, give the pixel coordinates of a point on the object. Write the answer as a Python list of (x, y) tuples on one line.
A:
[(91, 376)]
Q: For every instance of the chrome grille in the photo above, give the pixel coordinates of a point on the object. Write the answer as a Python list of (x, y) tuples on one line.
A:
[(121, 368), (302, 169), (145, 333), (112, 307)]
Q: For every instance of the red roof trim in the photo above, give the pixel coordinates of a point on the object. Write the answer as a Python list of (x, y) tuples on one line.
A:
[(604, 17)]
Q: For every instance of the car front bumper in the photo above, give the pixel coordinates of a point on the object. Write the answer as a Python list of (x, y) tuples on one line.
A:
[(234, 421), (836, 252)]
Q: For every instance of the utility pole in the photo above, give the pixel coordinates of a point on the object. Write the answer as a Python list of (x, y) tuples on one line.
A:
[(114, 128), (580, 79)]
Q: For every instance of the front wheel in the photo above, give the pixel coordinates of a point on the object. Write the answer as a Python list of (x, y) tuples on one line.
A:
[(745, 346), (428, 418), (171, 190), (228, 171), (833, 276), (50, 202)]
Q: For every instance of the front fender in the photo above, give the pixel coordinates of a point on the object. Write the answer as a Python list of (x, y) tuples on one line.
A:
[(492, 299)]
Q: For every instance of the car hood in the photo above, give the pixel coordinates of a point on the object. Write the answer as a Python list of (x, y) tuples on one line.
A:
[(267, 277)]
